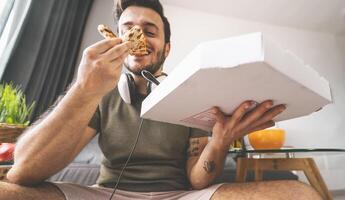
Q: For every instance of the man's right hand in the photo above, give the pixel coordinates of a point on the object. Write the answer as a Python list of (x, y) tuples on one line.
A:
[(101, 65)]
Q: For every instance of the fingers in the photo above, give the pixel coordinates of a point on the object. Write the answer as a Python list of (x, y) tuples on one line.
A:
[(269, 115), (265, 125), (220, 118), (245, 119), (255, 114), (239, 113), (104, 45), (262, 114), (119, 60), (117, 51), (108, 53)]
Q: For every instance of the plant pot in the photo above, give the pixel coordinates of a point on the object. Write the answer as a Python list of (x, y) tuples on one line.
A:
[(9, 133)]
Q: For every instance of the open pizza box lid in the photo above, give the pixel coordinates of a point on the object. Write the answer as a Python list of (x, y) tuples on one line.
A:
[(226, 72)]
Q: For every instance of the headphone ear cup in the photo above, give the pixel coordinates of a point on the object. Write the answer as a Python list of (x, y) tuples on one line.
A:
[(126, 87)]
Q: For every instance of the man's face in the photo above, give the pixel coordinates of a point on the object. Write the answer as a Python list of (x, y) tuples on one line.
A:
[(152, 26)]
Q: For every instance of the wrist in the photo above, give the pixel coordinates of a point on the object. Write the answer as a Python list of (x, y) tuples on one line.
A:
[(219, 145), (77, 90), (82, 92)]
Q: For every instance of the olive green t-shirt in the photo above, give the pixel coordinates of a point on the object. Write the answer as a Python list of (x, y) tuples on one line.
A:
[(159, 160)]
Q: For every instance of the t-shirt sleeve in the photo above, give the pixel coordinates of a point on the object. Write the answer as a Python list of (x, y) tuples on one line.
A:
[(194, 133), (95, 121)]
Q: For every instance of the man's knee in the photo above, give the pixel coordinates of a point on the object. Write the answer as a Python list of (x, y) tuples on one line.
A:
[(304, 189), (18, 192), (267, 190)]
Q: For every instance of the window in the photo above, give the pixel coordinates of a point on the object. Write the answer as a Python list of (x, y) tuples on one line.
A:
[(5, 9), (12, 15)]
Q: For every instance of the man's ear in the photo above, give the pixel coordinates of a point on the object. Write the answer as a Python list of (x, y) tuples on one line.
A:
[(167, 49)]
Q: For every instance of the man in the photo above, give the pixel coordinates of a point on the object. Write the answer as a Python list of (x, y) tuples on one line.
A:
[(170, 161)]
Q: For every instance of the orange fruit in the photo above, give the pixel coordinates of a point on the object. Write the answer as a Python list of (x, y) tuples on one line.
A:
[(267, 139)]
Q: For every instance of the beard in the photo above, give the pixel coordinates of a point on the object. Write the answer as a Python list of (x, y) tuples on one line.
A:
[(152, 67)]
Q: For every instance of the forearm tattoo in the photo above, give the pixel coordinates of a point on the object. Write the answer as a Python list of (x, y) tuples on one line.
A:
[(194, 149), (209, 166)]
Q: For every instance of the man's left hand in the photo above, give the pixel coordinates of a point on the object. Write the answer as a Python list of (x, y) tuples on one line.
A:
[(248, 117)]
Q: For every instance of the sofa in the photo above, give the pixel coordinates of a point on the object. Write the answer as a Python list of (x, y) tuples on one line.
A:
[(84, 169)]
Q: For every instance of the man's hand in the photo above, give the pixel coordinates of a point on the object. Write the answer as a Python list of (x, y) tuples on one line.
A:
[(206, 159), (101, 66), (244, 120)]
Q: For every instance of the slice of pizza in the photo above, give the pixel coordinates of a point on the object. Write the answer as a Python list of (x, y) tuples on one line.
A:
[(105, 31), (134, 35)]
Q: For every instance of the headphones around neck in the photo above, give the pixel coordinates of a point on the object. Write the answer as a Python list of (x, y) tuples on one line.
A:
[(128, 90)]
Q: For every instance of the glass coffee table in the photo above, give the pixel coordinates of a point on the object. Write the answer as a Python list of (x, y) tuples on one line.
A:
[(286, 159)]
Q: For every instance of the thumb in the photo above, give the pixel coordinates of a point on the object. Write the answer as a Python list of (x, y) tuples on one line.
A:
[(220, 118)]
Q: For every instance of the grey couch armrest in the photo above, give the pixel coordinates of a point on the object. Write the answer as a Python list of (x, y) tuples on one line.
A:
[(84, 170)]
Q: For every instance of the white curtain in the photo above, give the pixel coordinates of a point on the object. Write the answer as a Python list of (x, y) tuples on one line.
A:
[(13, 13), (5, 10)]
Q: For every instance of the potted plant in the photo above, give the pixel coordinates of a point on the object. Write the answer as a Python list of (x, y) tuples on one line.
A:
[(14, 113), (14, 118)]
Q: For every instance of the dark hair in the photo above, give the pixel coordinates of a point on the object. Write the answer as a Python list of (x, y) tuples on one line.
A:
[(155, 5)]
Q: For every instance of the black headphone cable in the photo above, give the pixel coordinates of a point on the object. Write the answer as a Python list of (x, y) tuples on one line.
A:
[(149, 77), (129, 157)]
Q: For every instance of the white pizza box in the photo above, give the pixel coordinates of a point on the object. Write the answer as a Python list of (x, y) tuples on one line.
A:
[(226, 72)]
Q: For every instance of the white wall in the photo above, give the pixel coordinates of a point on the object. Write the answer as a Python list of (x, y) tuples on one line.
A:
[(324, 52), (100, 13)]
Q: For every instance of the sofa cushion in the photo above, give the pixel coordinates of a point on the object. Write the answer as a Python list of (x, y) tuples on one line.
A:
[(83, 174)]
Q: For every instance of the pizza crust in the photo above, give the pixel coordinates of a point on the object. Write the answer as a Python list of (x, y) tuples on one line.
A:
[(105, 31)]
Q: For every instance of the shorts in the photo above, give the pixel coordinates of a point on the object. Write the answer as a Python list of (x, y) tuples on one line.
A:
[(79, 192)]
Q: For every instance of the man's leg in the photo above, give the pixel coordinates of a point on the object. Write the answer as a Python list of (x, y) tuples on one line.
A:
[(267, 190), (17, 192)]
